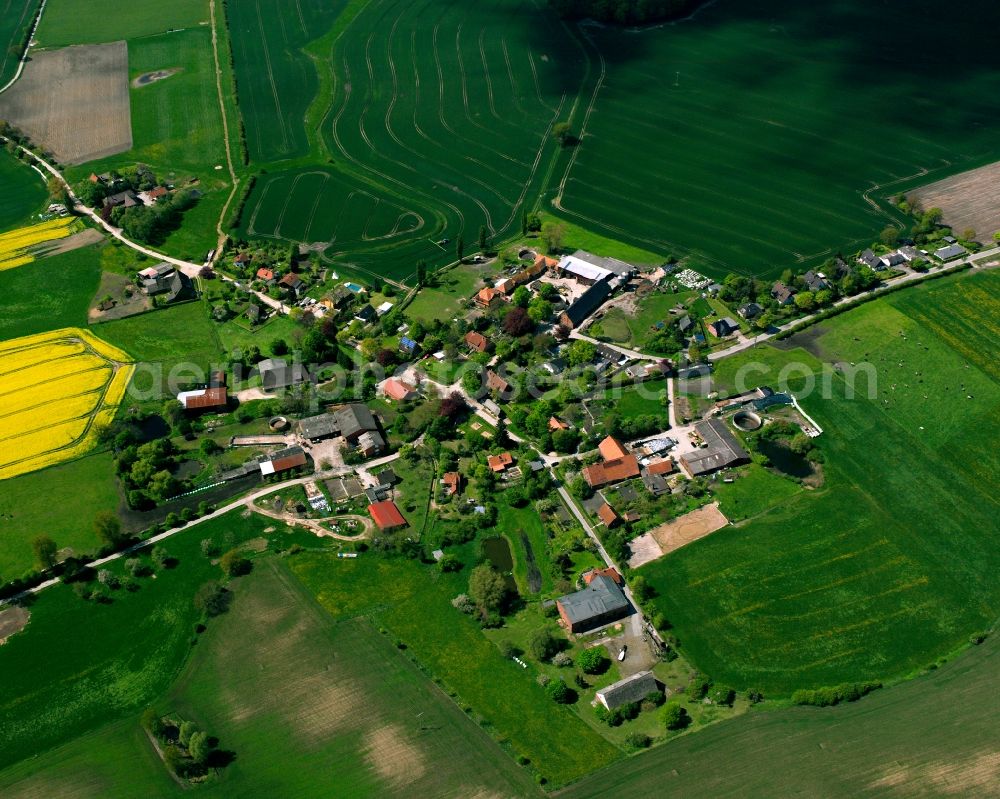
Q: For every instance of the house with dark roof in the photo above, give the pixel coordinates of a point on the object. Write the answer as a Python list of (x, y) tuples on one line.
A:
[(276, 373), (253, 313), (318, 428), (365, 313), (814, 281), (782, 293), (721, 450), (750, 311), (354, 420), (685, 324), (371, 443), (871, 260), (721, 328), (585, 304), (949, 252), (123, 199), (408, 345), (601, 602), (292, 281), (631, 689)]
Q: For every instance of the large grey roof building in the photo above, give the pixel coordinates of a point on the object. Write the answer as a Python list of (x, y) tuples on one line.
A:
[(599, 603), (631, 689), (723, 449), (353, 420)]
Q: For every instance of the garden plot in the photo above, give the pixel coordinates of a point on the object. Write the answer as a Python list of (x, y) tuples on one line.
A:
[(74, 102)]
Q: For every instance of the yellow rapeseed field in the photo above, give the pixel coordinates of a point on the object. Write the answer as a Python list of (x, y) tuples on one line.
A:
[(15, 245), (57, 390)]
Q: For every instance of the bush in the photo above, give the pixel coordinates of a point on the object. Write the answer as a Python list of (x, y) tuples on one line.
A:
[(637, 740), (675, 716), (543, 645), (233, 564), (656, 698), (593, 660), (559, 692), (212, 599), (723, 696), (208, 548), (825, 697), (562, 660), (463, 603), (508, 649)]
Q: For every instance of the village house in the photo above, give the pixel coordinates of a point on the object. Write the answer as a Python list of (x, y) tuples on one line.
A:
[(871, 260), (782, 293), (618, 465), (950, 252), (365, 313), (398, 391), (631, 689), (750, 311), (276, 373), (601, 602), (588, 302), (557, 424), (488, 297), (477, 342), (408, 346), (496, 383), (265, 274), (292, 282), (123, 199), (452, 482), (607, 515), (815, 281), (721, 328), (318, 428), (212, 398), (500, 463)]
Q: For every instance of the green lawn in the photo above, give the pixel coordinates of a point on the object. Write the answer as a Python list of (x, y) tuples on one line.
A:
[(448, 291), (414, 604), (59, 502), (756, 490), (737, 168), (583, 238), (885, 569), (64, 22), (50, 293), (236, 333), (178, 334), (763, 365), (24, 191)]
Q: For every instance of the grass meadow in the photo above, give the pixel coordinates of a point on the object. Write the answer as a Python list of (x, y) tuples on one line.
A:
[(348, 704), (58, 502), (63, 23), (50, 293), (933, 736), (732, 112), (890, 565), (414, 604), (24, 191), (434, 119), (80, 664)]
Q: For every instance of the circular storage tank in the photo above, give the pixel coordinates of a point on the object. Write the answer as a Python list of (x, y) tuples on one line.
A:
[(277, 423), (747, 420)]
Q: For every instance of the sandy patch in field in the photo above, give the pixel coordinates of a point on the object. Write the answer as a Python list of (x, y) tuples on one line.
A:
[(395, 759), (74, 102), (74, 242), (676, 533), (978, 775), (968, 200), (12, 620)]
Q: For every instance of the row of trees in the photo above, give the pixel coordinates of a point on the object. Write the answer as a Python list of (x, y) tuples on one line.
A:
[(623, 12)]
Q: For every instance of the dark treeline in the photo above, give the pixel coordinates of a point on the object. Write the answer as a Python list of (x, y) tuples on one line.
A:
[(624, 12)]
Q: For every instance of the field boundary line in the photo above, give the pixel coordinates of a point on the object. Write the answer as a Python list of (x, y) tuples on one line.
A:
[(225, 135), (24, 55)]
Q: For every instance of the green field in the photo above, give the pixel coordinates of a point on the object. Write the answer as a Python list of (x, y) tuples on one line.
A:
[(732, 113), (172, 335), (82, 664), (434, 119), (49, 293), (64, 22), (408, 736), (934, 736), (890, 565), (72, 492), (24, 192), (414, 604), (15, 18), (446, 293)]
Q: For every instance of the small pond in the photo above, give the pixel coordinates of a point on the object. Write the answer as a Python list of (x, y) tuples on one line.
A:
[(497, 552), (784, 460), (152, 427)]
